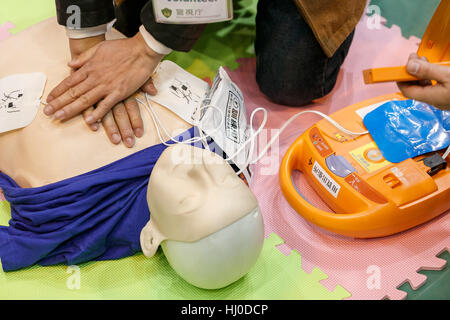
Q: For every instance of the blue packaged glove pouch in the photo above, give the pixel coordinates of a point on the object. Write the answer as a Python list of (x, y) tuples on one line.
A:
[(408, 128)]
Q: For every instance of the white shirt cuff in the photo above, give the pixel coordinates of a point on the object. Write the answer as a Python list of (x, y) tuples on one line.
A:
[(88, 32), (154, 44)]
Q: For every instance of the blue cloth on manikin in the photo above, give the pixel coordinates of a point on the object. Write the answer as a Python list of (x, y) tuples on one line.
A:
[(95, 216), (408, 128)]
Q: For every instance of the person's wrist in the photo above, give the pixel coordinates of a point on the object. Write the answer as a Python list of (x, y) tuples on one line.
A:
[(78, 46), (144, 49), (154, 44)]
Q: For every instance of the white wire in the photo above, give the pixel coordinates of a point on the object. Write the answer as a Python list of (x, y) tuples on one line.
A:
[(253, 134), (163, 141), (250, 140), (446, 153), (203, 139), (274, 138), (287, 123), (158, 124)]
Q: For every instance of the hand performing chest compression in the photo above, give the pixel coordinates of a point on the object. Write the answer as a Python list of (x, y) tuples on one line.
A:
[(105, 74)]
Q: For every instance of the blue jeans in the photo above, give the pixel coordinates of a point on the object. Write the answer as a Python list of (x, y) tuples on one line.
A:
[(291, 67)]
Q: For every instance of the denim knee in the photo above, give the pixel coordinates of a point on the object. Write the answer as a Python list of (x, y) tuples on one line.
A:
[(291, 67), (280, 92)]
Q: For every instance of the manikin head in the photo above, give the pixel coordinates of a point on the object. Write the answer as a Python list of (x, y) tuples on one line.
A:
[(204, 216)]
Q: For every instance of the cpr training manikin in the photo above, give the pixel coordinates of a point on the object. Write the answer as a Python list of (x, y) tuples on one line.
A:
[(75, 197), (208, 195)]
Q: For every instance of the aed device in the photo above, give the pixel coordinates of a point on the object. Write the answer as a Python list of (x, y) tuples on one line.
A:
[(370, 196), (435, 45)]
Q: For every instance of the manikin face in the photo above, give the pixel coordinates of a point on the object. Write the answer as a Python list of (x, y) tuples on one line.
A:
[(207, 214)]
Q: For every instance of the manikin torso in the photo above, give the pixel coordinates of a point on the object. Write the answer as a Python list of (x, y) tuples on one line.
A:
[(48, 151)]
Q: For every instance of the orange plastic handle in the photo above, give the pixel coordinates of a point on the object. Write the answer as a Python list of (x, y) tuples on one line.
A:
[(398, 74), (343, 223), (289, 164), (435, 45)]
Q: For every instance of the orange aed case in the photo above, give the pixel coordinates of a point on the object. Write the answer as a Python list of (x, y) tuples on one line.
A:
[(435, 45), (371, 197)]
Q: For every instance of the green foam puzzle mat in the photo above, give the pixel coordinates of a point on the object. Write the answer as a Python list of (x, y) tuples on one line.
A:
[(26, 13), (274, 276), (412, 16)]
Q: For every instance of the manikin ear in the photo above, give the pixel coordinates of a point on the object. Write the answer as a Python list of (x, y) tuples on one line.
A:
[(150, 240)]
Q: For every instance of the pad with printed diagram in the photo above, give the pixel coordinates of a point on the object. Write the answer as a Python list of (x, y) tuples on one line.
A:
[(20, 99)]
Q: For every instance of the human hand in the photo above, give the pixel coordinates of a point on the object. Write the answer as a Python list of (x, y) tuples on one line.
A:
[(124, 122), (80, 46), (106, 74), (437, 95)]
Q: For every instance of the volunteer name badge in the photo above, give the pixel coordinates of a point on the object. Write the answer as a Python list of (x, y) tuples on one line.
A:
[(192, 11)]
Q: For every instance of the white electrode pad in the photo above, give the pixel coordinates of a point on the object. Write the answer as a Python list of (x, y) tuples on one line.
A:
[(220, 108), (20, 100), (192, 12), (178, 90)]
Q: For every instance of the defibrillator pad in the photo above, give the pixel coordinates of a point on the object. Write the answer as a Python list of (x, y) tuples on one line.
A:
[(20, 100), (408, 128)]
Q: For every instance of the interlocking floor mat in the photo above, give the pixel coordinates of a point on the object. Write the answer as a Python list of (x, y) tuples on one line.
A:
[(369, 269), (351, 263), (275, 276)]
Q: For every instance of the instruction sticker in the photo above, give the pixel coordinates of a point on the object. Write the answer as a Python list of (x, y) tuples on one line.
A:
[(232, 117), (325, 180), (369, 157)]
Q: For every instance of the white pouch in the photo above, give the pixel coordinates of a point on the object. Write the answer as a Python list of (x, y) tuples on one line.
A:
[(194, 101), (20, 100), (192, 12), (227, 97)]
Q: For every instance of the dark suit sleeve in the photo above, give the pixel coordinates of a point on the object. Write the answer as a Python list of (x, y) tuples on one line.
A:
[(93, 12), (175, 36)]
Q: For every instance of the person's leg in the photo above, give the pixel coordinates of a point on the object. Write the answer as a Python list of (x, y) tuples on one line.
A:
[(291, 67)]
